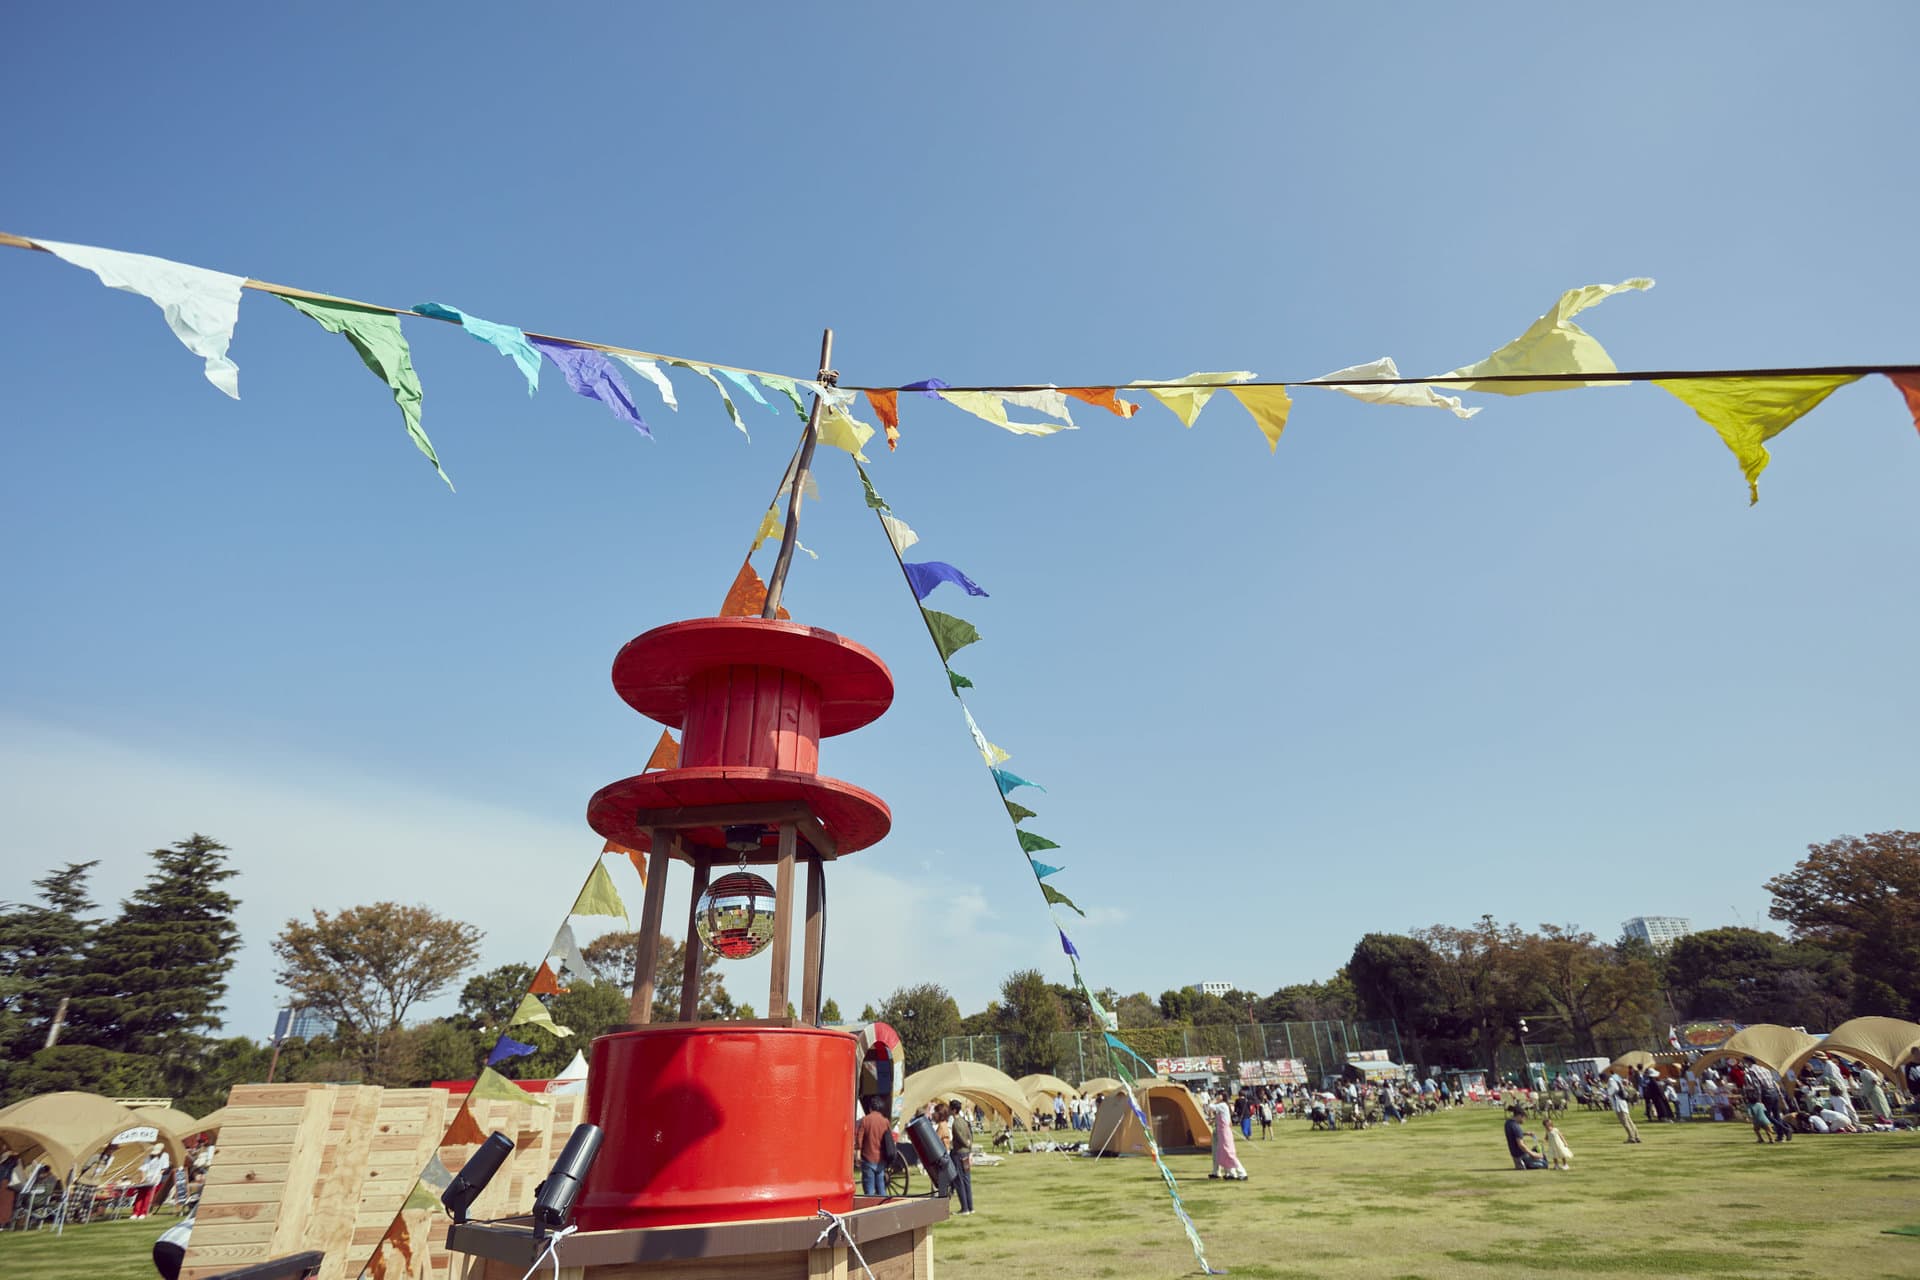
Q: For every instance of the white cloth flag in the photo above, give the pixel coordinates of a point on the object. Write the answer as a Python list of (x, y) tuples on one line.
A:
[(988, 752), (1416, 395), (201, 306), (1052, 403), (651, 372), (898, 532)]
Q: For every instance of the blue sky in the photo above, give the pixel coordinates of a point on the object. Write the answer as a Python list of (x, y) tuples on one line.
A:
[(1546, 664)]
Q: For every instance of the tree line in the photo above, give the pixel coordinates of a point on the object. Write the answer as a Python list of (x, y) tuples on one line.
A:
[(132, 1004)]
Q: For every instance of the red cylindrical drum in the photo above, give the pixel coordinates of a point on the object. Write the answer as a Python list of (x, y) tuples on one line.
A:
[(719, 1123)]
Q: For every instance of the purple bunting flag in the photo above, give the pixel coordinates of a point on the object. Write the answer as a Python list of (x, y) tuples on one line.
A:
[(1066, 943), (590, 374), (508, 1047), (929, 387), (924, 577)]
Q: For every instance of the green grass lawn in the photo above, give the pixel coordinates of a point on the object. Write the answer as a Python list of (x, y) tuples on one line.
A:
[(97, 1251), (1433, 1198), (1438, 1197)]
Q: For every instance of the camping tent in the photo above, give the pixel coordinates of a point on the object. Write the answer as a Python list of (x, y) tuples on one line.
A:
[(1884, 1044), (63, 1129), (975, 1081), (208, 1123), (1769, 1045), (1170, 1109), (1637, 1058), (1098, 1085), (1041, 1090)]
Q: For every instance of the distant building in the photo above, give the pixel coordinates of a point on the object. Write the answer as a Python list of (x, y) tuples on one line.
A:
[(301, 1024), (1658, 932), (1211, 988)]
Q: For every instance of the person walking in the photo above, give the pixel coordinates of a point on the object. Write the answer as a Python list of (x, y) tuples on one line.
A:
[(1226, 1161), (1617, 1098), (1875, 1093), (961, 1148), (153, 1172), (870, 1140), (1266, 1120)]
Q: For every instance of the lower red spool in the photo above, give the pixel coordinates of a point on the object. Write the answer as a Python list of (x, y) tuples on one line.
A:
[(719, 1123)]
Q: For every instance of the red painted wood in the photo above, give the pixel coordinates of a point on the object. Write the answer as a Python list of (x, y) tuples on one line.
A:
[(655, 672), (856, 817)]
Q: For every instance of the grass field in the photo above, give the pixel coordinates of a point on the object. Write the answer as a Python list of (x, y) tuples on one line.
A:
[(1438, 1197), (97, 1251), (1434, 1198)]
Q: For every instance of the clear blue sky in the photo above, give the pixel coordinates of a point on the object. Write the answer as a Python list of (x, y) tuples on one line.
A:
[(1546, 664)]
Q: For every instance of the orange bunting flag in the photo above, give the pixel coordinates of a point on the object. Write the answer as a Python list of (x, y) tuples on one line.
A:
[(1102, 398), (465, 1131), (886, 407), (1909, 384), (748, 595), (637, 858), (666, 752), (545, 983)]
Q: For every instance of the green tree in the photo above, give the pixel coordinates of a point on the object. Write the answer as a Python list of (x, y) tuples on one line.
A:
[(868, 1013), (489, 999), (43, 949), (1481, 978), (612, 957), (587, 1009), (924, 1014), (830, 1013), (366, 966), (89, 1069), (1749, 975), (1860, 896), (1330, 1001), (1397, 977), (1137, 1010), (155, 976), (1030, 1016), (1593, 990)]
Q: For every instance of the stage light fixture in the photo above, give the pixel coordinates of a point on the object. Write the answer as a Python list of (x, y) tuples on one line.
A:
[(475, 1174)]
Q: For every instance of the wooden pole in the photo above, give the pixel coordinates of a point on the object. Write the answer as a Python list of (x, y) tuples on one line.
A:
[(777, 984), (647, 953), (777, 582), (815, 938), (690, 971)]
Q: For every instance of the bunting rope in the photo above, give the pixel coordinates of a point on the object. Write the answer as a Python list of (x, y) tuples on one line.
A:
[(949, 634), (1746, 407)]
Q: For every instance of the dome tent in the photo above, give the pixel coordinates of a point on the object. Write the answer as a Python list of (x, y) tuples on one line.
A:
[(1177, 1122), (978, 1083)]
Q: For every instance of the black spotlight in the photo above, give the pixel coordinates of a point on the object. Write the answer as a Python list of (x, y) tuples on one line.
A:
[(553, 1199), (475, 1174), (933, 1154)]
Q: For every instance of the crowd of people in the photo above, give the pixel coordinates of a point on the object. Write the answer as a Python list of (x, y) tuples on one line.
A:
[(111, 1184)]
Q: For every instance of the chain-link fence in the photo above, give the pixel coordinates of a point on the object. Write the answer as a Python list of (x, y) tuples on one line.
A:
[(1083, 1055)]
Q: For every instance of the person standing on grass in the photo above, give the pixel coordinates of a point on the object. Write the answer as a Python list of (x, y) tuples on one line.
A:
[(870, 1139), (1266, 1119), (1226, 1161), (1618, 1099), (961, 1149)]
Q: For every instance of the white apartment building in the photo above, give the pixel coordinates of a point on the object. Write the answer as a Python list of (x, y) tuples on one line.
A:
[(1658, 932)]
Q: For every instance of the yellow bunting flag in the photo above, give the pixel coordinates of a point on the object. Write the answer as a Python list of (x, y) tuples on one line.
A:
[(986, 405), (1551, 344), (1748, 412), (899, 532), (1102, 398), (1413, 395), (494, 1087), (1186, 405), (637, 858), (1269, 407), (599, 897), (748, 595), (532, 1013), (770, 526), (841, 432)]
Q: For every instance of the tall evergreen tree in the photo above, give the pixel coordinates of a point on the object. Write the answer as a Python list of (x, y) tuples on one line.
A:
[(156, 974), (43, 949)]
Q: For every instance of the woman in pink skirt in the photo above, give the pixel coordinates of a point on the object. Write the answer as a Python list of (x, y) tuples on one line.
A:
[(1226, 1164)]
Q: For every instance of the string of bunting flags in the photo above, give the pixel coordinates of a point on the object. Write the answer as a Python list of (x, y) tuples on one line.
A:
[(1746, 407), (950, 634)]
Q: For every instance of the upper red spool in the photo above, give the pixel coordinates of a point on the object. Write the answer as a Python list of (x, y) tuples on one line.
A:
[(752, 697)]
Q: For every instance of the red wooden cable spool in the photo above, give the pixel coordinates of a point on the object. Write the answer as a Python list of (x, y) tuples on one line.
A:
[(728, 1121)]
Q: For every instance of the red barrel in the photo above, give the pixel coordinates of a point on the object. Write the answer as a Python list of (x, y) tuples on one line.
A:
[(719, 1123)]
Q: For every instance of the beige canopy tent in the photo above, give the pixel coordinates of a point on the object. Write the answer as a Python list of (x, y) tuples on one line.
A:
[(1885, 1044), (1170, 1109), (1041, 1090), (208, 1123), (63, 1129), (1620, 1065), (1098, 1085), (1772, 1046), (976, 1082)]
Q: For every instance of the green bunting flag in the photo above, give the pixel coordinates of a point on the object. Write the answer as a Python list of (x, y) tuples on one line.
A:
[(494, 1087), (1018, 812), (874, 500), (532, 1013), (383, 349), (1033, 843), (1059, 899), (957, 681), (598, 897), (950, 634)]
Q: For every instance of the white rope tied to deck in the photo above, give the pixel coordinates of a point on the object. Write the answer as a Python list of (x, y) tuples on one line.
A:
[(835, 1220)]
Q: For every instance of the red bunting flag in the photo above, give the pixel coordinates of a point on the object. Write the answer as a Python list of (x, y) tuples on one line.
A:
[(748, 595), (886, 407), (1102, 398), (545, 982), (1909, 384)]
